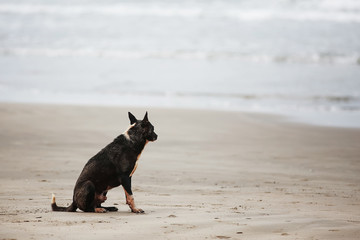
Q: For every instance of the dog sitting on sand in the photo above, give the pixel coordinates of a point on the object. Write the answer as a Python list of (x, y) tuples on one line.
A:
[(111, 167)]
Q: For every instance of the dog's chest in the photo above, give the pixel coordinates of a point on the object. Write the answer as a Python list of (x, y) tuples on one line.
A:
[(137, 160)]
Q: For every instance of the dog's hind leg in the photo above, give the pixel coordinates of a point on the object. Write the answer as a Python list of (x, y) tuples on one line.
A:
[(102, 198), (85, 198)]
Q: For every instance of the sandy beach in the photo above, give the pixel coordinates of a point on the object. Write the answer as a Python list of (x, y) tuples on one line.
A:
[(210, 175)]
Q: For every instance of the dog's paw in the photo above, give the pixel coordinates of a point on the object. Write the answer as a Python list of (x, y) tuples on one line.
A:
[(100, 210), (137, 210)]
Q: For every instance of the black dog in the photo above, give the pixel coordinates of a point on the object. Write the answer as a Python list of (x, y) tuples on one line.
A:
[(111, 167)]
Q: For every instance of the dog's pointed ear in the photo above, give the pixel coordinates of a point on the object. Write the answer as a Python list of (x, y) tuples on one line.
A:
[(146, 117), (132, 118)]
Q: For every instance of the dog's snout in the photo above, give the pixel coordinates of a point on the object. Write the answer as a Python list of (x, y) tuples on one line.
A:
[(155, 136)]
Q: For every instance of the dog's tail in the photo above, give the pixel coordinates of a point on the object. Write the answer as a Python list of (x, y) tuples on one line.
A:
[(54, 207)]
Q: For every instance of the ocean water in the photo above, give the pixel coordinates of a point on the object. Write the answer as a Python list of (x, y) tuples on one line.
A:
[(300, 59)]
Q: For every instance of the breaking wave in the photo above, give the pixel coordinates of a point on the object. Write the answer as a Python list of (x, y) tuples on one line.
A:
[(333, 11), (323, 58)]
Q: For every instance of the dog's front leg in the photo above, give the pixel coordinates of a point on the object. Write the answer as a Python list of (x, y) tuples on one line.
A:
[(126, 182)]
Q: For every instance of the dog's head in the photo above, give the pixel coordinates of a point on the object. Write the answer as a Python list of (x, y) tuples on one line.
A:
[(141, 129)]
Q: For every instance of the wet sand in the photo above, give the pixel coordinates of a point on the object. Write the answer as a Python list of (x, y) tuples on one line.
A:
[(210, 175)]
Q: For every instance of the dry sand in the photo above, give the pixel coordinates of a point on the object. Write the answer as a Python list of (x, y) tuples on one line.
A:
[(210, 175)]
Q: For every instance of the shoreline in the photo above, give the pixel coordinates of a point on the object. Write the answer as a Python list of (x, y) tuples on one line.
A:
[(331, 119), (210, 175)]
